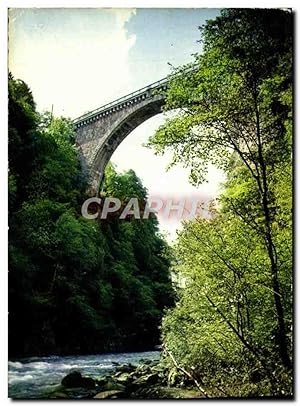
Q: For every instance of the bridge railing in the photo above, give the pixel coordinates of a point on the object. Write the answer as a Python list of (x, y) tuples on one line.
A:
[(128, 97), (122, 99)]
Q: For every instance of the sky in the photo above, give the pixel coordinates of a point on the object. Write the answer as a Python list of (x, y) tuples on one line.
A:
[(79, 59)]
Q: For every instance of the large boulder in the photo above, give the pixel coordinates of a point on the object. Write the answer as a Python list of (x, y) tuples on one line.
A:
[(76, 380)]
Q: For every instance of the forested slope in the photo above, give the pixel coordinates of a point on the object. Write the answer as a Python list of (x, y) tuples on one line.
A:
[(75, 285), (232, 327)]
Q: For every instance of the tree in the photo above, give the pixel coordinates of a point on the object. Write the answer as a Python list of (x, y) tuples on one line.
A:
[(139, 268), (22, 133), (75, 286), (235, 106)]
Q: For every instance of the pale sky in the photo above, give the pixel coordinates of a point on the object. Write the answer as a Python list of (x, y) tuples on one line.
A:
[(79, 59)]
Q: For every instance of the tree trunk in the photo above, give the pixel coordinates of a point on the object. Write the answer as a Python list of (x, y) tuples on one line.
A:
[(263, 186)]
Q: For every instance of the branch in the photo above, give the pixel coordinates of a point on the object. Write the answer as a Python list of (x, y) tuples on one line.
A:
[(185, 372), (255, 352)]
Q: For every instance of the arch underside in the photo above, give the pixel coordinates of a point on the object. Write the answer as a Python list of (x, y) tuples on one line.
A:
[(114, 139)]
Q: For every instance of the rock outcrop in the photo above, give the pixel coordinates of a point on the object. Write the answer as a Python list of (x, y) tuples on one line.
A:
[(148, 380)]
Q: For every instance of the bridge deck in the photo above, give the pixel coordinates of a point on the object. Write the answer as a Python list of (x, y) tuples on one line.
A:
[(124, 101), (119, 103)]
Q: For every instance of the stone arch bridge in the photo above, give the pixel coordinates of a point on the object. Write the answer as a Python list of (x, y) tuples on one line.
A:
[(100, 132)]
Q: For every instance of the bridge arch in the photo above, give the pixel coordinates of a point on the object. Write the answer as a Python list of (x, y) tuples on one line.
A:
[(100, 132)]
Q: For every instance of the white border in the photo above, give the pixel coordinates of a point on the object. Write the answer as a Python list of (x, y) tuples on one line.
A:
[(4, 5)]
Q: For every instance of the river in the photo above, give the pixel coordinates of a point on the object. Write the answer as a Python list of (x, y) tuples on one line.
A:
[(28, 378)]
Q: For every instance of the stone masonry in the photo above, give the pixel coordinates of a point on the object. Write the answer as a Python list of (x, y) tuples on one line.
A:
[(100, 132)]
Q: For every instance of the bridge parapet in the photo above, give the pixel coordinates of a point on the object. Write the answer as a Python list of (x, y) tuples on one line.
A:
[(99, 132), (121, 103)]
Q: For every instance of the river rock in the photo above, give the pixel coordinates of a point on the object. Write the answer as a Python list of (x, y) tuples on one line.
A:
[(157, 392), (146, 380), (143, 369), (124, 378), (111, 384), (58, 395), (101, 380), (88, 382), (109, 394), (81, 393), (76, 380), (126, 368)]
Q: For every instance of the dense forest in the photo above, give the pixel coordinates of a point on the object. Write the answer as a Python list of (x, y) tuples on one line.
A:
[(75, 285), (232, 326), (81, 286)]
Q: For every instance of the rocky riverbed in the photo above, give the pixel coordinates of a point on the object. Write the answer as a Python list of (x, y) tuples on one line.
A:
[(147, 380)]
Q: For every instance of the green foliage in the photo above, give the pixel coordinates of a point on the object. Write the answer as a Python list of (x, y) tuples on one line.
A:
[(22, 133), (75, 285), (231, 327), (218, 101), (224, 325)]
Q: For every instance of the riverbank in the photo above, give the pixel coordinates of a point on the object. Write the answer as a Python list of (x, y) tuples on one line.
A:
[(148, 380), (31, 378)]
